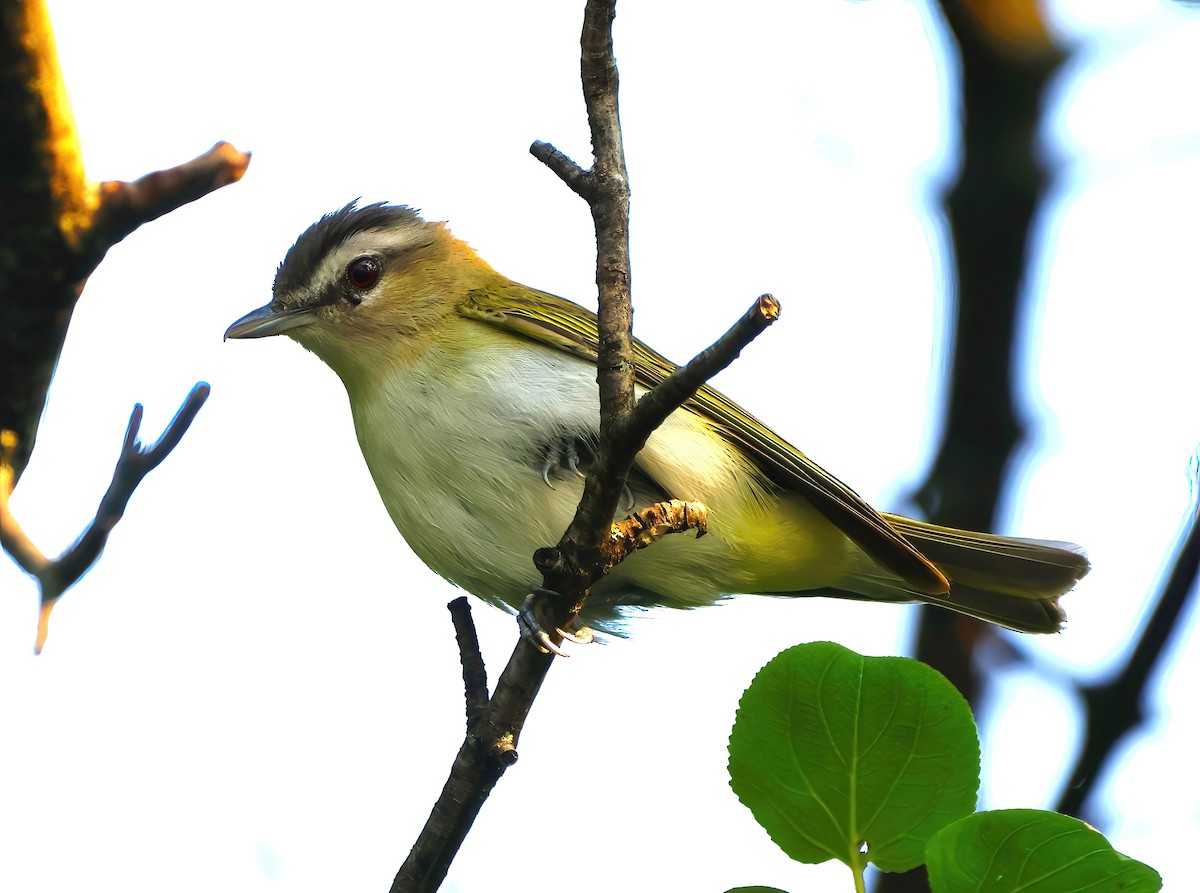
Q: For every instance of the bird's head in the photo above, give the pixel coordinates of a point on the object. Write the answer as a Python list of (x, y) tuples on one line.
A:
[(366, 287)]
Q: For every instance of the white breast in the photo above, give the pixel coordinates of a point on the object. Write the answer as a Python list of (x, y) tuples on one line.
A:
[(454, 458)]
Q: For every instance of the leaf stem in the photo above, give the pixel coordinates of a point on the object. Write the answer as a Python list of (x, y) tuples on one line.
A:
[(858, 869)]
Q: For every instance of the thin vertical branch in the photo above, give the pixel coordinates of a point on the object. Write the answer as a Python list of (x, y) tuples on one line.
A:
[(473, 669), (990, 209), (592, 543), (605, 187), (490, 745)]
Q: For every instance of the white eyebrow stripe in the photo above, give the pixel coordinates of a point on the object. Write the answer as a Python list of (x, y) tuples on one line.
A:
[(368, 241)]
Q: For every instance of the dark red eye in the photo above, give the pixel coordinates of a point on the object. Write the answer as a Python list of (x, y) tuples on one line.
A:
[(362, 272)]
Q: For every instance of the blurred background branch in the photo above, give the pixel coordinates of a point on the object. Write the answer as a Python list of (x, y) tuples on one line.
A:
[(56, 226), (1117, 706), (1008, 61), (1006, 66), (56, 576)]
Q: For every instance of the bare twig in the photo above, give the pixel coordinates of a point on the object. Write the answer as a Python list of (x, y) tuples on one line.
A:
[(473, 669), (491, 741), (577, 557), (647, 526), (490, 746), (654, 407), (609, 203), (592, 543), (124, 206), (56, 576), (577, 179), (637, 531)]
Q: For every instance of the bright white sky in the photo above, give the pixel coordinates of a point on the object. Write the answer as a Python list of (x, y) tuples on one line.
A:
[(257, 687)]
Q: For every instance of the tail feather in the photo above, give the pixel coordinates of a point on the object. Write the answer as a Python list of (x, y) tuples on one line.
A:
[(1025, 614), (1002, 579), (1004, 564)]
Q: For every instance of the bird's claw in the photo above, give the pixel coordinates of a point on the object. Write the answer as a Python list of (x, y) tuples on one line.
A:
[(562, 457), (561, 460), (534, 632)]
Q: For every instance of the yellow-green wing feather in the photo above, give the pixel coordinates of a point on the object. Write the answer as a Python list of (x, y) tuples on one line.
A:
[(558, 323)]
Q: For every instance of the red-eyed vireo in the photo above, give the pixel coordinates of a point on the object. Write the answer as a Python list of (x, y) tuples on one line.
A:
[(475, 403)]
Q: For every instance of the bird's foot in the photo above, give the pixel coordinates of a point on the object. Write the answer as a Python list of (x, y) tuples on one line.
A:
[(568, 457), (533, 630), (562, 459)]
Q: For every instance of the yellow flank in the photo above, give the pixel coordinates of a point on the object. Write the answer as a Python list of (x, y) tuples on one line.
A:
[(773, 542)]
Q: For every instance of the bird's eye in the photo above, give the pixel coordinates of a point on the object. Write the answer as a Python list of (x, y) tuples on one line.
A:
[(362, 272)]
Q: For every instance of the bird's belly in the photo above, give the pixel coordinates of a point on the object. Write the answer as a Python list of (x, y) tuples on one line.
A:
[(476, 530), (456, 461), (457, 472)]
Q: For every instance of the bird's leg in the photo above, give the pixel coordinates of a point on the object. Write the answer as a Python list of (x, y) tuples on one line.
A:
[(561, 458), (564, 456), (533, 630)]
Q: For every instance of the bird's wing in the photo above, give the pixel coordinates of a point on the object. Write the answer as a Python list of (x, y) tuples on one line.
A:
[(565, 326)]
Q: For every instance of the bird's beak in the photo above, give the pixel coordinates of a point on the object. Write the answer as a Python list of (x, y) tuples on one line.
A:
[(272, 319)]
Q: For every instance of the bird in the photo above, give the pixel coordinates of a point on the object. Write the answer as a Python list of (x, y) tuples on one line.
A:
[(475, 404)]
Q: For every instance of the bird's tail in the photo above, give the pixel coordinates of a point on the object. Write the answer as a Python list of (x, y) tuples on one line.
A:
[(1002, 579)]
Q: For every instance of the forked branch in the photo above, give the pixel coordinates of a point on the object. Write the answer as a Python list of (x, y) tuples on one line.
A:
[(56, 227), (593, 544), (56, 576)]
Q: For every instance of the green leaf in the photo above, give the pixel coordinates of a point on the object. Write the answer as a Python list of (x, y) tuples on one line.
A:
[(754, 890), (840, 755), (1032, 851)]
